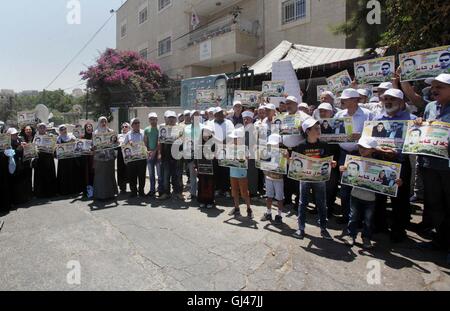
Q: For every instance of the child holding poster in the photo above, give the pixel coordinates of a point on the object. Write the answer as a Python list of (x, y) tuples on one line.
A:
[(313, 148)]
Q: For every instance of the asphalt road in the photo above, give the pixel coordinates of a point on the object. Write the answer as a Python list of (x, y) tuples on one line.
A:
[(172, 245)]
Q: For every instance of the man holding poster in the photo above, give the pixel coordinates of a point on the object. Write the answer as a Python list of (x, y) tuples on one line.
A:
[(136, 169), (436, 171)]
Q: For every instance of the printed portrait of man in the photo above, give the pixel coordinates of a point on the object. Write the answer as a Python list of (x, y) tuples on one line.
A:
[(128, 154), (414, 136), (360, 72), (444, 61), (297, 165), (79, 147), (324, 169), (409, 66), (353, 169), (386, 69)]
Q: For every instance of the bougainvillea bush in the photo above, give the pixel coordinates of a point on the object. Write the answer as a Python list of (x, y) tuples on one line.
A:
[(123, 77)]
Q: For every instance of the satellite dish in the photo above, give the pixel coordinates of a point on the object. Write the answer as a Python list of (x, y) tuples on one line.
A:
[(42, 113), (77, 109)]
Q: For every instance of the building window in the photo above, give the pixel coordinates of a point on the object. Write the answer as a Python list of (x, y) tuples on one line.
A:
[(143, 15), (144, 53), (293, 10), (165, 46), (162, 4), (123, 29)]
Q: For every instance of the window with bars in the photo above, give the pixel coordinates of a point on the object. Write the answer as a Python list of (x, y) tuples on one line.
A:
[(163, 4), (144, 53), (143, 15), (293, 10), (165, 46)]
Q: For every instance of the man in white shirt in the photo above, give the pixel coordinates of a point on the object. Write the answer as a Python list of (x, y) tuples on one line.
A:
[(137, 169)]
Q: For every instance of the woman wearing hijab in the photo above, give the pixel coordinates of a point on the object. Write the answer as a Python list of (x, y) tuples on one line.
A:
[(70, 173), (122, 174), (6, 177), (89, 163), (44, 172), (22, 177), (105, 185)]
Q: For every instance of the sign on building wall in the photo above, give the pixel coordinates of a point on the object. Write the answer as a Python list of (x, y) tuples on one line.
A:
[(205, 50)]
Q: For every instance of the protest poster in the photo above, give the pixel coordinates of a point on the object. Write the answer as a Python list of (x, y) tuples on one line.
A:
[(105, 141), (66, 151), (284, 71), (375, 71), (134, 152), (45, 143), (272, 159), (288, 124), (387, 133), (424, 64), (249, 99), (169, 134), (205, 167), (429, 139), (321, 89), (336, 130), (83, 147), (26, 118), (273, 88), (372, 175), (304, 168), (5, 142), (368, 88), (339, 81), (233, 156), (30, 152), (206, 98)]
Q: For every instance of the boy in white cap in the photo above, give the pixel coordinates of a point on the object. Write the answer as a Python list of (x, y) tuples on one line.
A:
[(274, 186), (362, 202), (312, 147)]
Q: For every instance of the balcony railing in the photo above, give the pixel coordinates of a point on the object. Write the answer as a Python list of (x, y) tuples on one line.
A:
[(220, 27)]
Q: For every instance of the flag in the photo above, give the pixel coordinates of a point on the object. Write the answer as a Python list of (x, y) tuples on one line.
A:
[(195, 20)]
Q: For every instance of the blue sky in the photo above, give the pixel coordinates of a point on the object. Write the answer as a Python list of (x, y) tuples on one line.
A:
[(36, 41)]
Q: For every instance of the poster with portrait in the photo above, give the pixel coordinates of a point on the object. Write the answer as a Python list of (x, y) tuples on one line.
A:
[(169, 134), (45, 143), (105, 141), (321, 89), (288, 124), (272, 159), (30, 152), (304, 168), (233, 156), (249, 99), (66, 151), (368, 88), (387, 133), (5, 142), (135, 152), (205, 167), (189, 88), (26, 118), (424, 64), (375, 71), (83, 147), (339, 81), (372, 175), (206, 98), (273, 88), (336, 130), (429, 139)]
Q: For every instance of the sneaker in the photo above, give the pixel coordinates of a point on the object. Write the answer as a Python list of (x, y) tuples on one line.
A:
[(299, 234), (249, 213), (326, 235), (179, 196), (163, 196), (348, 240), (278, 219), (235, 212), (266, 217), (202, 205), (367, 244), (210, 206)]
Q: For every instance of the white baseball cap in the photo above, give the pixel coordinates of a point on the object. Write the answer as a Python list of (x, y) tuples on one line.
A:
[(325, 106), (363, 92), (170, 114), (394, 93), (386, 85), (192, 112), (309, 123), (217, 110), (349, 93), (248, 114), (237, 102), (443, 77), (328, 93), (368, 142), (187, 112), (12, 131), (262, 107), (152, 115), (292, 99), (135, 120), (303, 105), (374, 99), (274, 140), (212, 109), (270, 107)]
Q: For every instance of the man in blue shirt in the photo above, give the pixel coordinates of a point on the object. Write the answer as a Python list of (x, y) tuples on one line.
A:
[(395, 110), (436, 172)]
